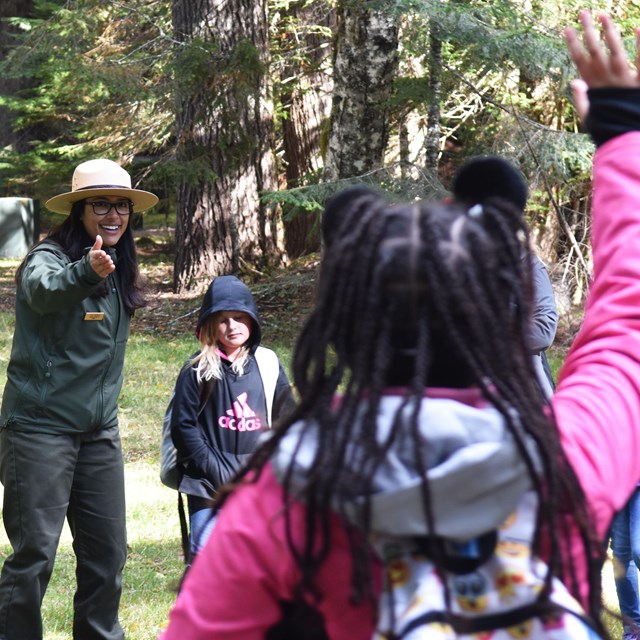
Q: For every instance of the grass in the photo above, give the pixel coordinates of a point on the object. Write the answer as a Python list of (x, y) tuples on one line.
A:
[(154, 564), (160, 342)]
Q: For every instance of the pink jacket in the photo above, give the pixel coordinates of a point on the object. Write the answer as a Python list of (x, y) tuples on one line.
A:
[(235, 585)]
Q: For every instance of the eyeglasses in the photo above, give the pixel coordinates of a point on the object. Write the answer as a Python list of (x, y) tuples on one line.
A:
[(102, 207)]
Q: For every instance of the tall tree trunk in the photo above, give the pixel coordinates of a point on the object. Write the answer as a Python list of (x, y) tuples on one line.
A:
[(306, 101), (10, 86), (224, 127), (365, 66), (432, 138)]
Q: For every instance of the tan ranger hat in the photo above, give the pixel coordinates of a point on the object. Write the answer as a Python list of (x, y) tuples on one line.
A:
[(101, 177)]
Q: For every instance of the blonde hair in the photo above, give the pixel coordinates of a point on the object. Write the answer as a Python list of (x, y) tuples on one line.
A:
[(208, 363)]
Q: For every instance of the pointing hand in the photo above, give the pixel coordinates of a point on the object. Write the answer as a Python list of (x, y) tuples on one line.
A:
[(99, 260)]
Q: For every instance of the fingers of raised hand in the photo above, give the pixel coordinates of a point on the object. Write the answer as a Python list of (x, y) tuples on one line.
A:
[(619, 62), (600, 62)]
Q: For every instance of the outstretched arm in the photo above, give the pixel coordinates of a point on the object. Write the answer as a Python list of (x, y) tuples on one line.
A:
[(597, 401)]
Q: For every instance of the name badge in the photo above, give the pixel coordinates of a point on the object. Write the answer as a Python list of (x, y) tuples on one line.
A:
[(94, 315)]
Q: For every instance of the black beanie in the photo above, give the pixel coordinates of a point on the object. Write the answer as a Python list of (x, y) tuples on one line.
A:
[(490, 177)]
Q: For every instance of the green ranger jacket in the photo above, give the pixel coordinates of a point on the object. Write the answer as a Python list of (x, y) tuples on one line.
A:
[(66, 366)]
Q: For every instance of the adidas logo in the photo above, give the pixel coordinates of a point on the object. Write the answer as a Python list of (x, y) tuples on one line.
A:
[(241, 417)]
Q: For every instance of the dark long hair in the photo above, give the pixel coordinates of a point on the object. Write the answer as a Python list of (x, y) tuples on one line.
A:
[(74, 240), (422, 295)]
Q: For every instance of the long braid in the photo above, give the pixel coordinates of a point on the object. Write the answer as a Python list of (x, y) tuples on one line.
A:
[(502, 387), (562, 487), (453, 289)]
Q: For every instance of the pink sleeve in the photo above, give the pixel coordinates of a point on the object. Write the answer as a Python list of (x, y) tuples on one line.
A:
[(234, 588), (597, 403)]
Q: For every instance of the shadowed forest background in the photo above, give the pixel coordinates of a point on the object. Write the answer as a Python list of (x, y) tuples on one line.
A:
[(245, 116)]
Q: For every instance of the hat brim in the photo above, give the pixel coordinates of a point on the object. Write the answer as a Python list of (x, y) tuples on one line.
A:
[(62, 203)]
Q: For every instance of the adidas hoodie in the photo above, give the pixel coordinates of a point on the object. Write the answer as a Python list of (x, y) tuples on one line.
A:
[(213, 444)]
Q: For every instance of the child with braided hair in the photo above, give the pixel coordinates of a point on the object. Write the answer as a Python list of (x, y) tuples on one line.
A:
[(422, 438)]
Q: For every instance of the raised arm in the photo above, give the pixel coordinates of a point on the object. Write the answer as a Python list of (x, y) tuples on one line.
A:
[(597, 401)]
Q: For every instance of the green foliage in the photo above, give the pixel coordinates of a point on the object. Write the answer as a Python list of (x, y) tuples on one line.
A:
[(211, 82), (193, 171), (412, 91), (195, 65), (247, 66), (202, 64), (397, 182), (309, 198), (502, 33), (292, 38), (96, 82), (105, 78)]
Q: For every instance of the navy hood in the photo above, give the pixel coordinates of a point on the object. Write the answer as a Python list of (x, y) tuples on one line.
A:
[(227, 293)]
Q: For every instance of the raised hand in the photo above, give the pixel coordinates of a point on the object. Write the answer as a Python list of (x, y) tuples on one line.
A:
[(99, 260), (600, 66)]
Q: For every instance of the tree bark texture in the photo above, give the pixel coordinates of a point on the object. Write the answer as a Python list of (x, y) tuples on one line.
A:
[(432, 138), (307, 104), (224, 125), (366, 62)]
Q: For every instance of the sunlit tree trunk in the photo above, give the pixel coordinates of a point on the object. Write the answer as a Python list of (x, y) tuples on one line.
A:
[(432, 138), (366, 64), (224, 146)]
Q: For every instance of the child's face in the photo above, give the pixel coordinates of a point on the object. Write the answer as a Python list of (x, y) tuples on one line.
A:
[(233, 331)]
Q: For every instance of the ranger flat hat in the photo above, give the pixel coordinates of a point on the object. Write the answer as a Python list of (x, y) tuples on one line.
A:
[(101, 177)]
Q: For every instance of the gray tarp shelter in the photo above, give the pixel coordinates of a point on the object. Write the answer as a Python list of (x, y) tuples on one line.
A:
[(19, 226)]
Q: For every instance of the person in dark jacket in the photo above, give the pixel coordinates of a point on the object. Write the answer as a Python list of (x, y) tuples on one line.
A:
[(485, 177), (226, 396), (60, 453)]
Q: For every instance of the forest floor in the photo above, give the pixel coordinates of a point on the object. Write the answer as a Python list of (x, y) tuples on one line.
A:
[(283, 296)]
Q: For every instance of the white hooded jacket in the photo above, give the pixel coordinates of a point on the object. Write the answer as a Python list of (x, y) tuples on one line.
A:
[(476, 473)]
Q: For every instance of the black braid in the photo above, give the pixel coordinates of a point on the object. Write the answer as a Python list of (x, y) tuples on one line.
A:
[(417, 296)]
